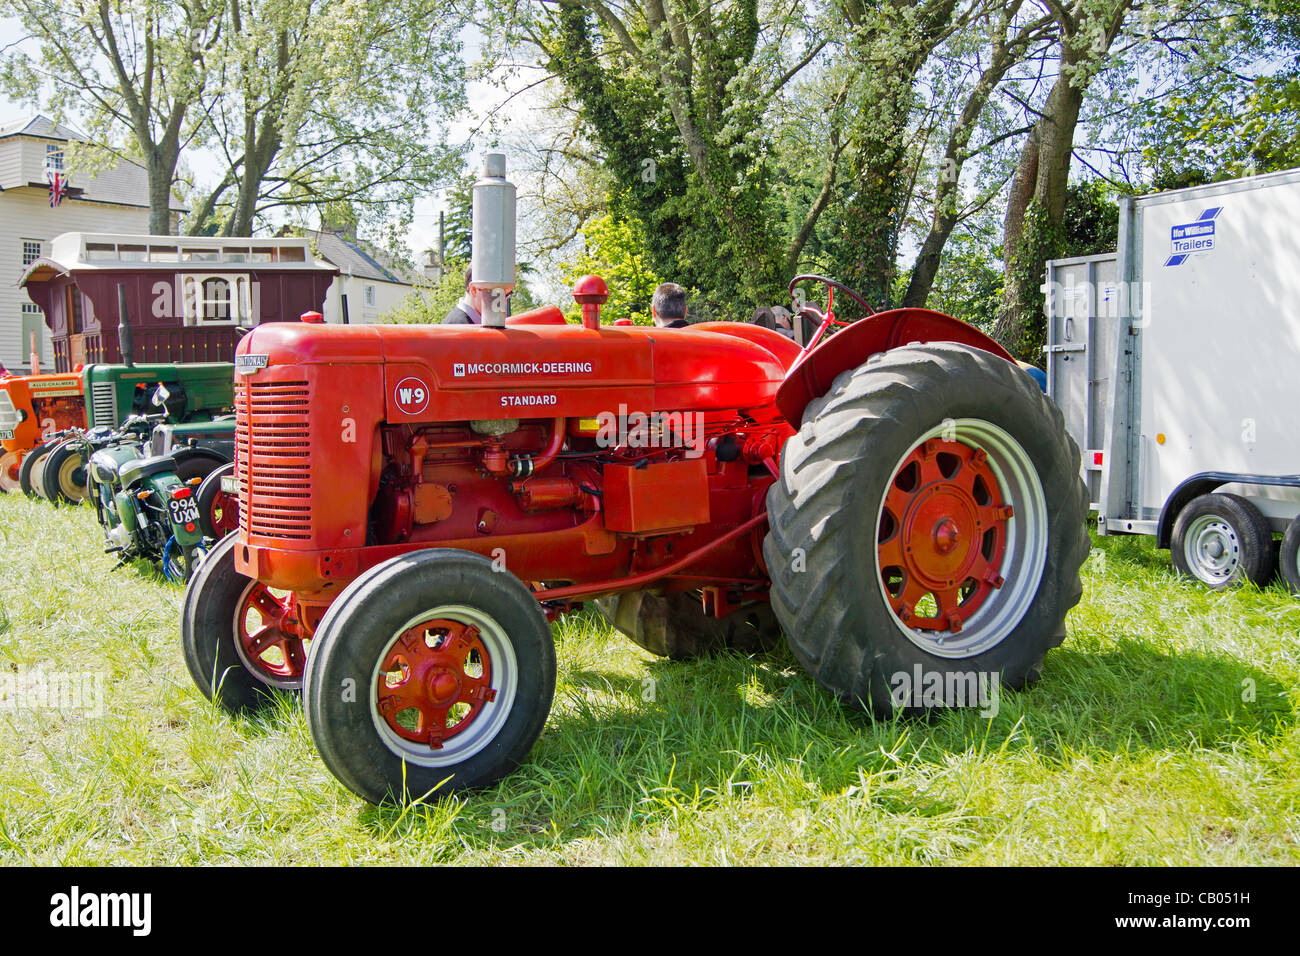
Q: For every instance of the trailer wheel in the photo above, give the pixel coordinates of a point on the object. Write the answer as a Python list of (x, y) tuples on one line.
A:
[(431, 671), (1288, 556), (927, 529), (675, 625), (240, 639), (218, 510), (28, 474), (63, 477), (1222, 541)]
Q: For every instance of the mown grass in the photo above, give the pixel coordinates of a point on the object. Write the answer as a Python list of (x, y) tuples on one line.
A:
[(1164, 732)]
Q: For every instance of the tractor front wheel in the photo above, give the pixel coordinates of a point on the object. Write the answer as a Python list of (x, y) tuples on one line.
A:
[(10, 464), (241, 639), (32, 470), (927, 529), (430, 673)]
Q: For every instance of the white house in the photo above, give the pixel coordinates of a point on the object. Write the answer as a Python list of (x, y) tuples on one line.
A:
[(372, 282), (114, 201)]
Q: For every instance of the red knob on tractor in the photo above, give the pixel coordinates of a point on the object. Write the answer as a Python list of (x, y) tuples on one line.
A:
[(590, 292)]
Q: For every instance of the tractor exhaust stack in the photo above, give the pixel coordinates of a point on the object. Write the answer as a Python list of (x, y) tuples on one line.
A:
[(492, 244)]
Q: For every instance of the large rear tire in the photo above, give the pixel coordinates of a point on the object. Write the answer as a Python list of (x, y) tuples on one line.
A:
[(239, 638), (927, 529), (675, 625), (431, 672)]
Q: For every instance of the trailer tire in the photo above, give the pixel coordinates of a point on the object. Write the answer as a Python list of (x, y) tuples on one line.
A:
[(904, 433), (214, 621), (63, 477), (1288, 557), (1222, 541), (402, 650), (675, 625), (25, 470)]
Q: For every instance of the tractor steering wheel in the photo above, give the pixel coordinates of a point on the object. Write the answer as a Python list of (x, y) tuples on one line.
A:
[(831, 283)]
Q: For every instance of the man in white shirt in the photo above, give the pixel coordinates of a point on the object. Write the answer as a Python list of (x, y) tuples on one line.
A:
[(466, 311)]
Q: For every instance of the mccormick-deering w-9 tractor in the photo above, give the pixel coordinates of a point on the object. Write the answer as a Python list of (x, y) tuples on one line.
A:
[(417, 502)]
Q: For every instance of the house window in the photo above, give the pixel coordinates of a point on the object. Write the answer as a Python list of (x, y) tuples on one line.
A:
[(370, 296), (31, 251), (53, 157), (217, 300)]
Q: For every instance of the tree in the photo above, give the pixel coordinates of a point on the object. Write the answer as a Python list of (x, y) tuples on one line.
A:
[(316, 103), (133, 72), (1036, 206)]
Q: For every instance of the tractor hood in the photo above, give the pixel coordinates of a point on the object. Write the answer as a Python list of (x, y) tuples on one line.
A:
[(535, 367)]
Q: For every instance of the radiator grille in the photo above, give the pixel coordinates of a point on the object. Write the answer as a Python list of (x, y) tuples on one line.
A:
[(103, 403), (272, 459), (8, 414)]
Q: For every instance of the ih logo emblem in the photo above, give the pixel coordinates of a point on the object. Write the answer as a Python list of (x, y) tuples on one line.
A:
[(411, 395), (458, 369)]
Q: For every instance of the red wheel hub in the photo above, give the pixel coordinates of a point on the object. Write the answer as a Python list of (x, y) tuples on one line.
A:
[(942, 535), (434, 681), (225, 513), (275, 626)]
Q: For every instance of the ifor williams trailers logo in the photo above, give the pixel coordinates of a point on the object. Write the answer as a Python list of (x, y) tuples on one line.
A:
[(1192, 237)]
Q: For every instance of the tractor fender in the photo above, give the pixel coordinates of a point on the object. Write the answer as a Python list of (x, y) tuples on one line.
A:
[(850, 347)]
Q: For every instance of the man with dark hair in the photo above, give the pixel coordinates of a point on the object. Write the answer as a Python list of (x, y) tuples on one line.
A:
[(466, 311), (668, 306)]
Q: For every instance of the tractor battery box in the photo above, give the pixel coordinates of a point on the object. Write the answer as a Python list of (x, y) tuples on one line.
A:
[(665, 497)]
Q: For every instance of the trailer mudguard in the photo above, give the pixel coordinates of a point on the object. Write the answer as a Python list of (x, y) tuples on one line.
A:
[(853, 345), (1203, 484)]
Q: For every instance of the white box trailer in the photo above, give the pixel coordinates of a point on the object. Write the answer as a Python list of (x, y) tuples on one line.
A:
[(1176, 362)]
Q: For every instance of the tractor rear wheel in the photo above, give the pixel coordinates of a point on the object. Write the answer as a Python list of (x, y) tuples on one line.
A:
[(675, 625), (430, 672), (31, 471), (240, 638), (927, 529), (63, 478)]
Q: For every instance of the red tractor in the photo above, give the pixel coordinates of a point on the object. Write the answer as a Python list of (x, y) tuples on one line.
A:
[(416, 503)]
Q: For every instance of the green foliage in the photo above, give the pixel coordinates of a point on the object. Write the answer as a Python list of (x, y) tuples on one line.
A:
[(1091, 222), (430, 304), (616, 250), (968, 284)]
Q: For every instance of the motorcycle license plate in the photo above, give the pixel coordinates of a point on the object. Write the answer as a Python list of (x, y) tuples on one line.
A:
[(183, 511)]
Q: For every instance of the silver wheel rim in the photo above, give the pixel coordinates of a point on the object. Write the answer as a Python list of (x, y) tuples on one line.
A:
[(1025, 554), (484, 729), (1212, 549)]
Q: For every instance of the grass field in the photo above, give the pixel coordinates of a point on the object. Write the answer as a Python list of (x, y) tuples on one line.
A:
[(1163, 732)]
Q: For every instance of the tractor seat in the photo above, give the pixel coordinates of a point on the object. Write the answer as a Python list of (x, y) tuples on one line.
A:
[(144, 467)]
